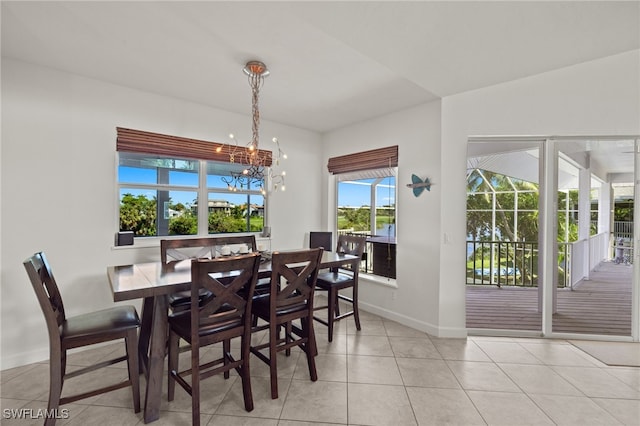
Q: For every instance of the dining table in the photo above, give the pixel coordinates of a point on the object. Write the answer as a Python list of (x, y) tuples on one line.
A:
[(153, 282)]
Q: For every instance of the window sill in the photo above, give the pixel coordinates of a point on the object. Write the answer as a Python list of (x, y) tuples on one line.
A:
[(146, 242), (380, 280)]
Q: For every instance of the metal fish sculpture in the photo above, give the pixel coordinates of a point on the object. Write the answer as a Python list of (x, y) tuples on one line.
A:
[(419, 185)]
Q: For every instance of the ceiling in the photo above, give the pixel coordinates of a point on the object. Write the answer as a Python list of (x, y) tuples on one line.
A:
[(332, 63)]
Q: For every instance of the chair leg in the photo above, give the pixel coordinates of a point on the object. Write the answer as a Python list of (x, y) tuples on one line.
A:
[(131, 342), (174, 352), (273, 360), (331, 315), (56, 368), (287, 337), (195, 385), (356, 311), (226, 349), (310, 347), (245, 373)]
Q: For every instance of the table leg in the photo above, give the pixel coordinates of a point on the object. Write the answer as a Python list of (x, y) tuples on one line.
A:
[(145, 335), (156, 359)]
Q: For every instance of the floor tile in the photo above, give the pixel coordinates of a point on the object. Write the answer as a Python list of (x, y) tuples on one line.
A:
[(428, 373), (630, 376), (482, 376), (443, 407), (385, 374), (396, 329), (539, 379), (369, 345), (597, 383), (507, 352), (106, 416), (330, 368), (626, 411), (264, 406), (504, 408), (573, 410), (367, 328), (379, 405), (373, 369), (329, 402), (459, 349), (555, 354), (412, 347)]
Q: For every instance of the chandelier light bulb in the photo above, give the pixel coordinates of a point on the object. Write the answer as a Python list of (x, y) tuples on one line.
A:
[(284, 156), (282, 188), (284, 173), (259, 165)]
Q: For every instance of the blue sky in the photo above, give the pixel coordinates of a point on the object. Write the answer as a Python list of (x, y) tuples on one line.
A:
[(353, 194)]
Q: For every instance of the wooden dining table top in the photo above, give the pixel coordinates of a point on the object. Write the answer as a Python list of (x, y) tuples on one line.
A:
[(150, 279)]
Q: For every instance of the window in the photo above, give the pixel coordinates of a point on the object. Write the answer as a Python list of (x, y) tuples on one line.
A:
[(162, 194), (366, 205)]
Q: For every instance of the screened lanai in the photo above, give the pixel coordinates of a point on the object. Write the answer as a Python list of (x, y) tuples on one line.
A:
[(503, 235)]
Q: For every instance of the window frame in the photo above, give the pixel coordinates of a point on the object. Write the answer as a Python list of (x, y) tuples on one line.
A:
[(202, 191), (379, 173)]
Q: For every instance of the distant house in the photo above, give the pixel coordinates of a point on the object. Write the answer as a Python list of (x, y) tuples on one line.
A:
[(215, 206)]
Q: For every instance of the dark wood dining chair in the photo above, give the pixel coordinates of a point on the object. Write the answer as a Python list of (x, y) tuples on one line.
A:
[(172, 250), (66, 333), (225, 315), (293, 279), (337, 279), (321, 239)]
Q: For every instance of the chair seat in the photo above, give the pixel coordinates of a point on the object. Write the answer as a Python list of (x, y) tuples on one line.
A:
[(181, 323), (107, 321), (182, 299), (334, 279), (261, 307)]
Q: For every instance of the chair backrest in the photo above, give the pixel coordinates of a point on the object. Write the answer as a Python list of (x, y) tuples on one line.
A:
[(47, 292), (321, 239), (299, 270), (235, 240), (230, 282), (205, 247), (354, 245), (351, 244)]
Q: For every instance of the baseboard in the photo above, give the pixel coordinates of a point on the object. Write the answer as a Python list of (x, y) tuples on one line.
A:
[(433, 330)]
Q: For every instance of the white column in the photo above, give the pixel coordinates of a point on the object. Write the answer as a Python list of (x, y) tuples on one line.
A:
[(548, 254), (605, 213), (584, 216)]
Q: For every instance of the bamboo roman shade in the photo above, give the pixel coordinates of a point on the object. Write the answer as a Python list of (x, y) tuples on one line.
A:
[(130, 140), (373, 159)]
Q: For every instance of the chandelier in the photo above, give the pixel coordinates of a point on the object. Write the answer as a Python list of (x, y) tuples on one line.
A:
[(259, 168)]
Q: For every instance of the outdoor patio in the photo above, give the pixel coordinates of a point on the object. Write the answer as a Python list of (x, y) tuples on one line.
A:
[(601, 305)]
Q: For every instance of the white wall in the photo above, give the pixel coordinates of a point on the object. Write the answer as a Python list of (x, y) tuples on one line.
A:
[(595, 98), (416, 131), (59, 187)]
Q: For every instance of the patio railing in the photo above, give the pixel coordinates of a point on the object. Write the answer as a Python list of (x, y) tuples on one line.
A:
[(513, 263)]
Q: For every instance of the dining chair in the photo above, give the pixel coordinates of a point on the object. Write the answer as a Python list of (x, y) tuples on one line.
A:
[(66, 333), (293, 279), (321, 239), (337, 279), (225, 315), (172, 250)]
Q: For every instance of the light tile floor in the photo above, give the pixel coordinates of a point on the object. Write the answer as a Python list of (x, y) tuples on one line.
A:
[(386, 374)]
